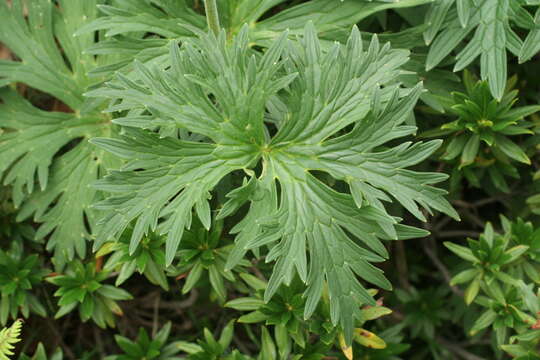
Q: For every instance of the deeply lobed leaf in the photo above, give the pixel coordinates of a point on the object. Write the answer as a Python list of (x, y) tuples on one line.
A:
[(226, 102)]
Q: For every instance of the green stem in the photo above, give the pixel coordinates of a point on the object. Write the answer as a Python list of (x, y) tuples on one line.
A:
[(212, 16)]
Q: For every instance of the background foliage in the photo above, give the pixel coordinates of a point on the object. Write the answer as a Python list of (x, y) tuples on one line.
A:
[(269, 179)]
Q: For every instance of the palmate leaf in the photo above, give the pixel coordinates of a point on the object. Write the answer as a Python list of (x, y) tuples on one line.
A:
[(47, 147), (451, 21), (332, 112), (173, 19)]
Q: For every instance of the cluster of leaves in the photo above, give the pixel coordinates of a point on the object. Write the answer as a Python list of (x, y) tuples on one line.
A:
[(480, 135), (245, 168), (81, 287), (501, 278)]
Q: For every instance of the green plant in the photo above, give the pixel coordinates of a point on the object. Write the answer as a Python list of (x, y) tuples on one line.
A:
[(49, 150), (81, 287), (530, 44), (148, 259), (394, 342), (126, 22), (284, 311), (503, 312), (525, 344), (496, 284), (41, 354), (480, 135), (489, 256), (145, 348), (524, 234), (238, 139), (212, 349), (492, 38), (424, 310), (492, 250), (18, 275), (200, 252), (249, 173)]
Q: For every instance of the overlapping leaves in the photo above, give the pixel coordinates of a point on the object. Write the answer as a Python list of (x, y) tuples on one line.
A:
[(238, 110), (127, 24), (50, 148), (451, 21)]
